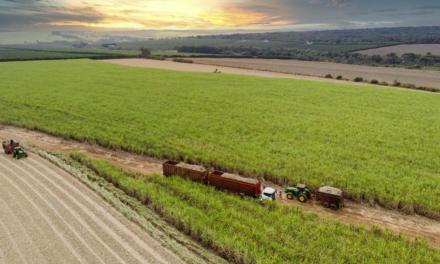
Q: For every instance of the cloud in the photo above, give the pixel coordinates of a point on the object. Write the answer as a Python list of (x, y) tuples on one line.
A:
[(202, 14), (340, 3), (25, 14), (331, 3), (429, 7)]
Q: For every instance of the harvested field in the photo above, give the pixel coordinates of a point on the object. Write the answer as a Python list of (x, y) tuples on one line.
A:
[(186, 67), (412, 226), (47, 216), (421, 49), (348, 71)]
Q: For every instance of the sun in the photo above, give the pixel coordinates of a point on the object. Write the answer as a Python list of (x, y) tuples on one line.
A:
[(167, 14)]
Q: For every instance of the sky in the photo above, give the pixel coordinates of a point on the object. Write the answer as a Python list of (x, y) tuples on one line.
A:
[(30, 15)]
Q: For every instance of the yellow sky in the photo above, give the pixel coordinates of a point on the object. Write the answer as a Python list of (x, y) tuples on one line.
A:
[(169, 14)]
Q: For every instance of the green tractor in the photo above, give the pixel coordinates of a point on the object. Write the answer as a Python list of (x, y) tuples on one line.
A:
[(301, 192), (19, 153)]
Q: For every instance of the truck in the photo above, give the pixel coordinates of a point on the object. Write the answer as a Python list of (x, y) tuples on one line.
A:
[(221, 180), (330, 197), (235, 183), (193, 172), (301, 192), (9, 146), (269, 193)]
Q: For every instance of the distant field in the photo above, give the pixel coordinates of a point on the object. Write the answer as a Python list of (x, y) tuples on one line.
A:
[(377, 144), (349, 71), (421, 49), (22, 52)]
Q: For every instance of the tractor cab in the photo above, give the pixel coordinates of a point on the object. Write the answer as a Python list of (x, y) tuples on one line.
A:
[(19, 153), (301, 192), (269, 194)]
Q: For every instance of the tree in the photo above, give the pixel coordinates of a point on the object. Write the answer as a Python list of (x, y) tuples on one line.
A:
[(145, 53)]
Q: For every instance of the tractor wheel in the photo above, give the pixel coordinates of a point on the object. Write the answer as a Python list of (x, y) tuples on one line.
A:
[(302, 198), (289, 196)]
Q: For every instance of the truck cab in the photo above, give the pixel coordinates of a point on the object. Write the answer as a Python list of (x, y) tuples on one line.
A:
[(269, 194)]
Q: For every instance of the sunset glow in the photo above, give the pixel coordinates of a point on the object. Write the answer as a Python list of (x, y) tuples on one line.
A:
[(168, 14), (213, 15)]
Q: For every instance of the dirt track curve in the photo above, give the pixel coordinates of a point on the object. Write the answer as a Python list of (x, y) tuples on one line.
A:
[(412, 226), (47, 216)]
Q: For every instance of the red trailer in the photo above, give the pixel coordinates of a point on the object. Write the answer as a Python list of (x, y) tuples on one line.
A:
[(193, 172), (235, 183), (8, 146), (330, 197)]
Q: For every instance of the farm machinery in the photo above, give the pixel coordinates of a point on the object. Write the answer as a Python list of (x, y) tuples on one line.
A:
[(8, 146), (301, 192), (14, 148), (327, 196)]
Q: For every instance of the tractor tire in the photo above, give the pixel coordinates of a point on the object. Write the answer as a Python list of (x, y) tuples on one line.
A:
[(289, 196), (302, 198)]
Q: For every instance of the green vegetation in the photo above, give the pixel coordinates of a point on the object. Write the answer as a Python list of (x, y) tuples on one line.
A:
[(379, 145), (243, 231), (22, 52), (333, 45)]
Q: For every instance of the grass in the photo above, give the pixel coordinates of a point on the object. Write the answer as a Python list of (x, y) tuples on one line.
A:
[(379, 145), (21, 52), (243, 231)]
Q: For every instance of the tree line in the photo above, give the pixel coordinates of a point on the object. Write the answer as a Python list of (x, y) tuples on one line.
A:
[(392, 59)]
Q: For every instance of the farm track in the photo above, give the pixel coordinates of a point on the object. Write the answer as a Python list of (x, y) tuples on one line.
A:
[(421, 49), (348, 71), (412, 226), (201, 66), (294, 69), (50, 217)]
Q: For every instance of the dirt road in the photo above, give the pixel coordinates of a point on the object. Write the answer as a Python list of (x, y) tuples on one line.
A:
[(47, 216), (412, 226), (348, 71), (293, 69), (207, 68), (421, 49)]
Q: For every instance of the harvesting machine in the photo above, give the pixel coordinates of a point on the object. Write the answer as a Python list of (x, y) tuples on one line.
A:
[(19, 153), (8, 146)]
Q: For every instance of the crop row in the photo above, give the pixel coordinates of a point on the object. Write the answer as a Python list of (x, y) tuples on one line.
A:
[(244, 231), (378, 145)]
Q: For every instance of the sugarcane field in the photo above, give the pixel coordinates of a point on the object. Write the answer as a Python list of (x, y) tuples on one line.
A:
[(205, 132)]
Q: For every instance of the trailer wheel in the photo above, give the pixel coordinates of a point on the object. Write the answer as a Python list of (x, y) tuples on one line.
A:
[(302, 198), (289, 196)]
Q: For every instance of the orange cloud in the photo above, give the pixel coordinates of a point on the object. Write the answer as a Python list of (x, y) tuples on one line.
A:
[(174, 14), (236, 17)]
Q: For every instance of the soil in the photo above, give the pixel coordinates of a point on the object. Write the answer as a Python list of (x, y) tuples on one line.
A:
[(411, 226), (204, 67), (48, 216), (348, 71), (421, 49), (294, 69)]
